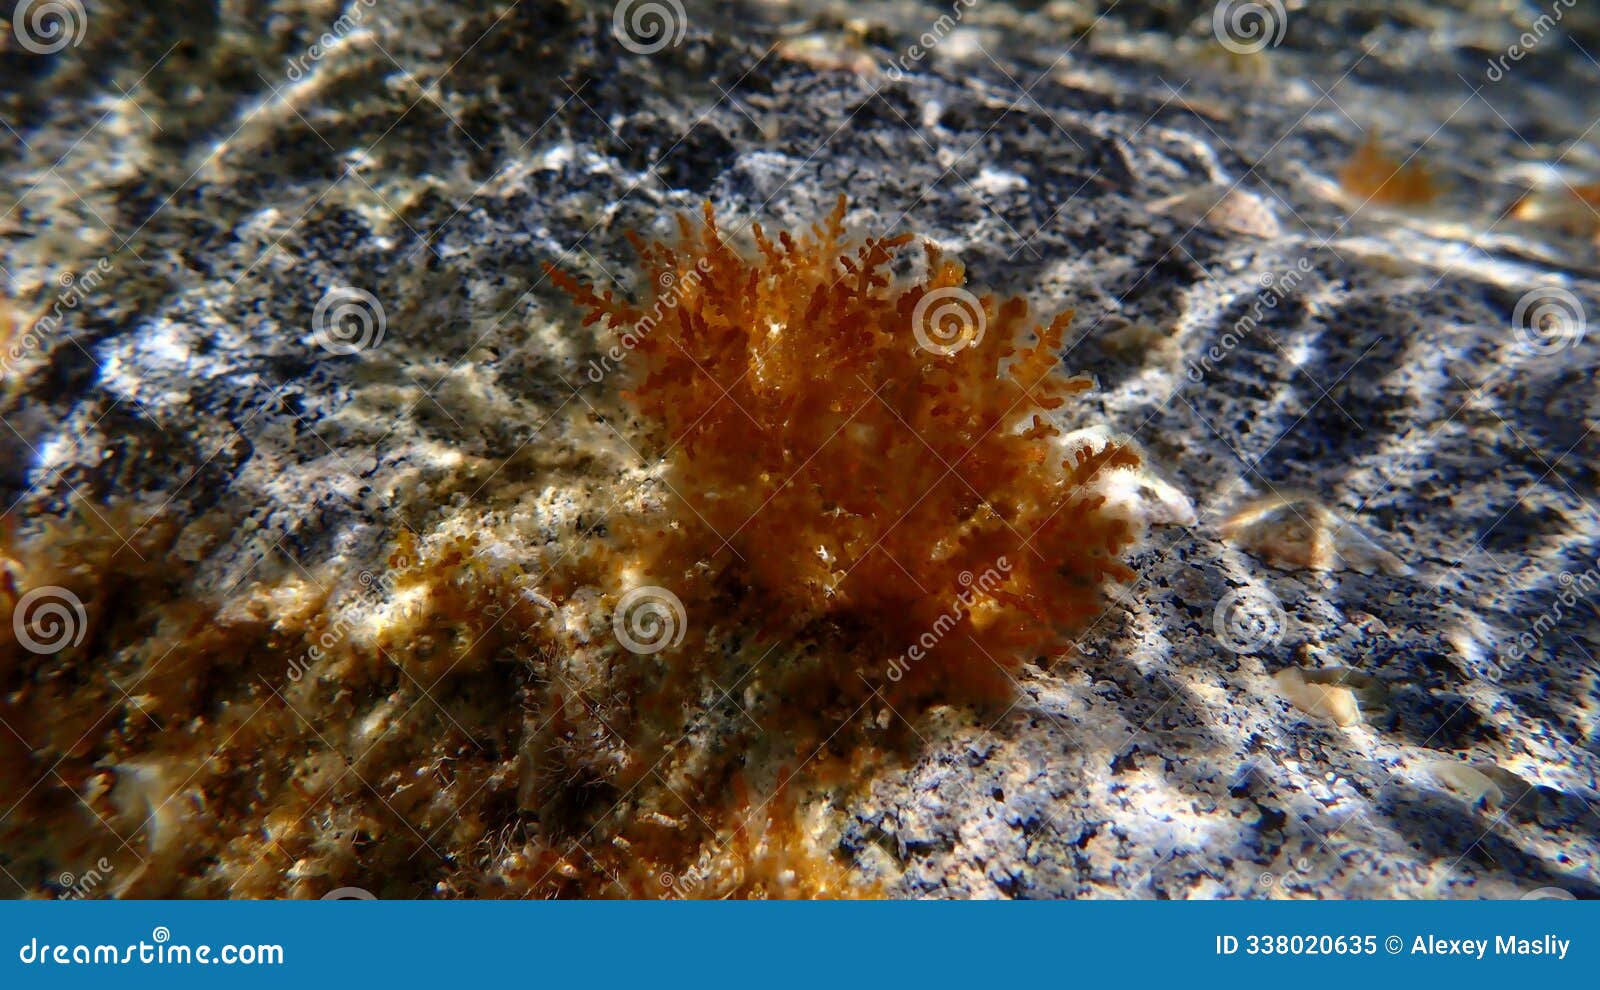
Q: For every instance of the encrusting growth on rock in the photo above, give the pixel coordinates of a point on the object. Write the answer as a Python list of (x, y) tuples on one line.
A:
[(876, 452), (869, 477)]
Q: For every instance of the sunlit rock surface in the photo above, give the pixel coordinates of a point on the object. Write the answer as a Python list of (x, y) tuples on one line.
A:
[(189, 195)]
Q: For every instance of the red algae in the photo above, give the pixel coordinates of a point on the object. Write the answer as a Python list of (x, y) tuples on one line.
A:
[(866, 466), (874, 452)]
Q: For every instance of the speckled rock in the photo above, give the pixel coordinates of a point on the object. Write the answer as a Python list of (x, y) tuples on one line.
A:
[(195, 194)]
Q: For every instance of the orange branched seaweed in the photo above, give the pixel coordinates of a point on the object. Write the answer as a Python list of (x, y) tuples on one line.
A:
[(865, 450)]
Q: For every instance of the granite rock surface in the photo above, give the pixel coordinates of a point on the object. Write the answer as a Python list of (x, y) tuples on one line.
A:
[(192, 192)]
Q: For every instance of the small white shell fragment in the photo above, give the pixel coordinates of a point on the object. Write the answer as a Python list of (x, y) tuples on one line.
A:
[(1470, 784), (1233, 211), (1333, 702), (1297, 531)]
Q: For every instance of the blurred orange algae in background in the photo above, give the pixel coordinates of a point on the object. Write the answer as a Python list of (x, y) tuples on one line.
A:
[(1377, 177)]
